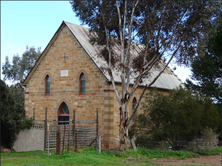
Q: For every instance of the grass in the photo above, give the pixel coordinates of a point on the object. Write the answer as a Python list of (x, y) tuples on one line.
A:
[(89, 156), (216, 151), (162, 154)]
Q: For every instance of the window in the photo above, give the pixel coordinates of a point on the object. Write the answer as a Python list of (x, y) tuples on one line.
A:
[(63, 114), (133, 106), (82, 84), (47, 85)]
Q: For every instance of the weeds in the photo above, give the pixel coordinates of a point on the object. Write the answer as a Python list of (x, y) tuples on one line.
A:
[(216, 151)]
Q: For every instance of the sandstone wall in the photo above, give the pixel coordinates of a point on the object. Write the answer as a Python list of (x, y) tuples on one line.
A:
[(66, 54)]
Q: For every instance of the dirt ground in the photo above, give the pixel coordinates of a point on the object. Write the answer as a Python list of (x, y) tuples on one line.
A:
[(203, 160)]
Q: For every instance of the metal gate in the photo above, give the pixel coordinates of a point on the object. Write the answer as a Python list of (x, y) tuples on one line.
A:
[(76, 134)]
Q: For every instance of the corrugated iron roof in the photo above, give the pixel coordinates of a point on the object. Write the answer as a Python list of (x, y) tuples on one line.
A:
[(167, 80)]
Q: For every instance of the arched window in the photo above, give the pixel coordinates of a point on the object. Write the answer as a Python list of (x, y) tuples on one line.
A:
[(82, 84), (63, 114), (133, 106), (47, 85)]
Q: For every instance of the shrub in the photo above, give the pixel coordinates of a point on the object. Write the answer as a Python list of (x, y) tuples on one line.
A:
[(206, 142), (13, 119), (178, 118)]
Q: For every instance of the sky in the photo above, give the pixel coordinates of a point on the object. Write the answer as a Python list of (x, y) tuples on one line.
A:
[(33, 23)]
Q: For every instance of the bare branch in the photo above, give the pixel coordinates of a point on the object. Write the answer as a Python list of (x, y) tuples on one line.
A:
[(151, 83), (146, 52), (114, 86), (129, 44), (120, 31), (124, 23), (109, 69), (130, 32), (149, 65)]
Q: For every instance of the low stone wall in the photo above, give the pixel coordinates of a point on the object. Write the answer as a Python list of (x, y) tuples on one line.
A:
[(29, 140)]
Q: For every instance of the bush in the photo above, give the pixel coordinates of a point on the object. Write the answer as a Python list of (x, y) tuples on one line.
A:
[(178, 117), (13, 118), (207, 142)]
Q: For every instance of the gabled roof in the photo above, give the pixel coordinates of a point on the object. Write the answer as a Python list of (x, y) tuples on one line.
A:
[(167, 80)]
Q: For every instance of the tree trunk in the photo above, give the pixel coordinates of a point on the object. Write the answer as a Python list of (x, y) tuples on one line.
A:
[(123, 130)]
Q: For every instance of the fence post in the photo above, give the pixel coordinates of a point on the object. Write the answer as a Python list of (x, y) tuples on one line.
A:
[(97, 122), (45, 134), (33, 113), (63, 138), (99, 144), (58, 142), (74, 126), (68, 142)]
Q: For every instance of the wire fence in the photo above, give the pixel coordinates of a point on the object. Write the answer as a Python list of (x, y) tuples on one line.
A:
[(75, 133), (84, 135)]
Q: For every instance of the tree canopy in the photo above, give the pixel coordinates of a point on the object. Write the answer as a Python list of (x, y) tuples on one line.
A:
[(206, 68), (21, 65), (164, 30), (17, 71)]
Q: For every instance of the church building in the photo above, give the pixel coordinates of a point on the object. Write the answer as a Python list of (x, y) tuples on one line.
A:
[(68, 76)]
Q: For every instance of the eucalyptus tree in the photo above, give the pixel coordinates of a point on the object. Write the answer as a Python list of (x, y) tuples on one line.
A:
[(17, 71), (163, 30)]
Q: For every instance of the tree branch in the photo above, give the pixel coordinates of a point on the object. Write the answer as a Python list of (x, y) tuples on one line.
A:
[(151, 83), (109, 69)]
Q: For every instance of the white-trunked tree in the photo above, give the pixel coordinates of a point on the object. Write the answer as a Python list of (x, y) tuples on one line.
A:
[(159, 30)]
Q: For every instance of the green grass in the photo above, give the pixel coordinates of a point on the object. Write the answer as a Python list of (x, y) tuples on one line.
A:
[(89, 156), (23, 154), (162, 154), (216, 151)]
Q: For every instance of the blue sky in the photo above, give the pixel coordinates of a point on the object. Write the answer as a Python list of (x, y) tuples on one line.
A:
[(33, 23)]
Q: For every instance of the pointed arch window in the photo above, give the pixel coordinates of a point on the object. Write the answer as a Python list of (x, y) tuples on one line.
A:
[(47, 85), (63, 114), (133, 106), (82, 84)]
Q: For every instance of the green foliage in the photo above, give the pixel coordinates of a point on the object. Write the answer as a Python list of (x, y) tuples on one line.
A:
[(178, 118), (17, 93), (153, 23), (21, 66), (216, 151), (13, 118), (18, 70), (207, 69)]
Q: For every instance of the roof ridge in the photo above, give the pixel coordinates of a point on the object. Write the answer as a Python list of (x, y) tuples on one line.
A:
[(75, 24)]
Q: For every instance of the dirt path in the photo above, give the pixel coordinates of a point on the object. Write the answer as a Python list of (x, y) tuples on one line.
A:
[(203, 160)]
